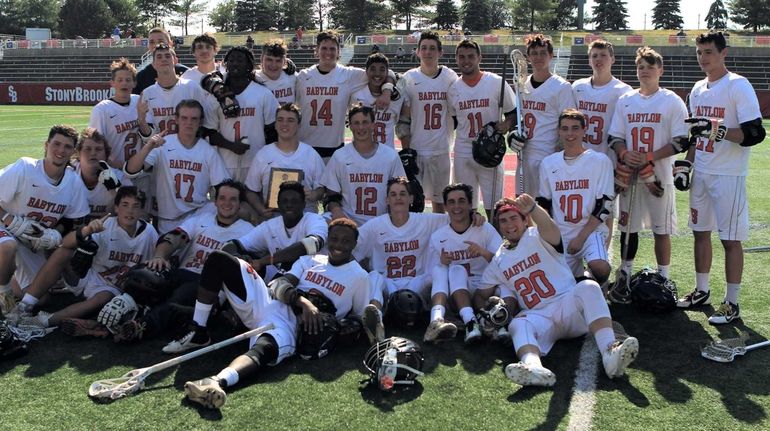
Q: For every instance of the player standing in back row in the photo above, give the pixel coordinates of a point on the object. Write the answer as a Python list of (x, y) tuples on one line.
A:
[(425, 124), (727, 123)]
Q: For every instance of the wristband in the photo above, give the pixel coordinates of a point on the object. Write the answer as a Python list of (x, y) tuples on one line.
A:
[(387, 87)]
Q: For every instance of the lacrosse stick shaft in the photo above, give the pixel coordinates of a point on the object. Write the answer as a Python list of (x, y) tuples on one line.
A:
[(519, 70), (194, 354), (751, 347), (757, 249), (632, 194), (500, 113)]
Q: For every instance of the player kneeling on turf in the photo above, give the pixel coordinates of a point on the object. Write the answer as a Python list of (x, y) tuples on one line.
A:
[(531, 264), (106, 249)]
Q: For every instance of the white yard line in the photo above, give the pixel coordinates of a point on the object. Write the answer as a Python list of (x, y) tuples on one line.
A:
[(581, 406)]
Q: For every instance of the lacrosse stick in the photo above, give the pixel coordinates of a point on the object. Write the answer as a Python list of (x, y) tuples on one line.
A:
[(519, 62), (499, 116), (727, 350), (624, 247), (133, 381), (757, 249)]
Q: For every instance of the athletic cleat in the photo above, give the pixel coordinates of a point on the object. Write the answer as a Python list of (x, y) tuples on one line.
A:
[(694, 299), (20, 311), (206, 392), (131, 330), (530, 375), (440, 330), (372, 322), (726, 313), (620, 292), (472, 332), (619, 355), (197, 337), (83, 328)]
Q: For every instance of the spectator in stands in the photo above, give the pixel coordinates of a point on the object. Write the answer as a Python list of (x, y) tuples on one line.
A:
[(400, 54), (375, 49), (146, 77), (250, 42), (116, 33)]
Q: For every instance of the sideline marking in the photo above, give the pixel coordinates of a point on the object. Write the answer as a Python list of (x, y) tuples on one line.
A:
[(583, 401)]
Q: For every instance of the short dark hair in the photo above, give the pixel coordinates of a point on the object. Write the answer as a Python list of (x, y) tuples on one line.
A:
[(163, 47), (65, 130), (375, 58), (344, 222), (467, 43), (237, 185), (535, 40), (275, 48), (602, 44), (458, 186), (649, 55), (430, 35), (718, 37), (291, 186), (290, 107), (359, 107), (328, 35), (573, 114), (204, 38), (122, 64), (400, 180), (188, 103), (94, 135), (129, 191)]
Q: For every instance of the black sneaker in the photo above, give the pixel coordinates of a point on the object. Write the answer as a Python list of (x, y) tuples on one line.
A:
[(694, 299), (726, 313), (198, 336)]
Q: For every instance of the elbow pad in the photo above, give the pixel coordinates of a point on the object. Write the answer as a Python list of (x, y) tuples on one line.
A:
[(282, 290), (618, 145), (129, 174), (312, 243), (753, 132), (545, 204), (404, 129), (175, 238), (602, 208), (682, 143)]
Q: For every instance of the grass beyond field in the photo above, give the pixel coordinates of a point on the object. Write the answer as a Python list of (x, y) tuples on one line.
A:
[(669, 386)]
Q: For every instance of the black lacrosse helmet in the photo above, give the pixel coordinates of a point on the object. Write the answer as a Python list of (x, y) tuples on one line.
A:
[(394, 361), (405, 308), (146, 286), (488, 149), (318, 345), (653, 293)]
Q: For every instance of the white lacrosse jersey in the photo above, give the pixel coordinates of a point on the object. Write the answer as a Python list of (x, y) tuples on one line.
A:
[(649, 123), (427, 100), (270, 157), (323, 99), (27, 191), (207, 235), (534, 271), (120, 126), (573, 188), (474, 106), (540, 114), (449, 241), (384, 121), (118, 252), (258, 108), (346, 286), (183, 176), (100, 200), (398, 252), (731, 99), (283, 88), (362, 182), (162, 103), (271, 235), (598, 105)]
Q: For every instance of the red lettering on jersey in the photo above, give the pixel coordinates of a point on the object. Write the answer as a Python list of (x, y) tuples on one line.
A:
[(364, 177), (322, 91), (644, 117), (572, 184), (520, 266), (44, 205), (325, 282), (167, 111), (119, 256), (474, 104), (710, 111), (247, 112), (128, 125), (397, 247), (585, 105), (185, 164), (431, 95), (383, 116), (207, 242), (283, 92), (534, 105)]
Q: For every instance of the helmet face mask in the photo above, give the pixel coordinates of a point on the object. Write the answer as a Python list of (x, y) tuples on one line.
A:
[(316, 346), (394, 361)]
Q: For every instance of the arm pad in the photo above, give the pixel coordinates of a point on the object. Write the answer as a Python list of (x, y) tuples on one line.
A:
[(404, 128), (618, 145), (176, 238), (753, 132), (681, 143), (282, 290), (602, 208), (312, 243)]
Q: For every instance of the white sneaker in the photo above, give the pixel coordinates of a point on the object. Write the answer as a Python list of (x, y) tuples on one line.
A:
[(440, 330), (206, 392), (530, 375), (618, 356), (197, 337), (472, 332), (372, 322)]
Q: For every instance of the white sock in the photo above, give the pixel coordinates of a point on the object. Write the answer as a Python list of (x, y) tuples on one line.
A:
[(531, 359), (29, 300), (663, 270), (201, 314), (627, 266), (702, 281), (466, 313), (733, 289), (229, 375), (437, 312), (604, 338)]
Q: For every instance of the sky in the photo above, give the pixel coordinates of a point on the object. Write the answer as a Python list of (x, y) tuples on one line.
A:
[(692, 11)]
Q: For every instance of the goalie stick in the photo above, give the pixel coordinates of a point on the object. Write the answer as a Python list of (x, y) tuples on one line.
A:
[(726, 350), (133, 381)]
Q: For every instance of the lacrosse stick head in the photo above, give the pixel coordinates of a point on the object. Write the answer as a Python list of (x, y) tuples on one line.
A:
[(519, 61), (107, 390), (725, 350)]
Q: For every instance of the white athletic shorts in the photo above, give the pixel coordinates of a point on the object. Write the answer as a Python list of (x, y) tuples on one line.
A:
[(382, 287), (93, 283), (719, 202), (593, 249), (434, 175), (28, 263), (467, 171), (260, 309), (649, 212)]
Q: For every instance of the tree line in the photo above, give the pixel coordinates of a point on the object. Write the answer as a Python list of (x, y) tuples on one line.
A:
[(97, 18)]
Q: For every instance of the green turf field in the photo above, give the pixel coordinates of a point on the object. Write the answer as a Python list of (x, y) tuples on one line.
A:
[(669, 387)]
